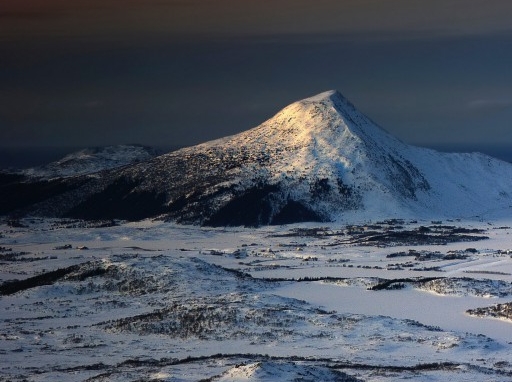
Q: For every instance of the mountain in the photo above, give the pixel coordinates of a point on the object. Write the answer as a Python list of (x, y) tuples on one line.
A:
[(91, 160), (318, 159)]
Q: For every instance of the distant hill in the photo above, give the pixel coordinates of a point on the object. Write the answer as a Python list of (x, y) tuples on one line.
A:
[(91, 160)]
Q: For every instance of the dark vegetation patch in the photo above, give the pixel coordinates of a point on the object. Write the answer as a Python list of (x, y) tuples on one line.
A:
[(16, 223), (488, 272), (295, 212), (450, 229), (47, 278), (115, 279), (120, 200), (234, 272), (244, 358), (11, 256), (86, 272), (261, 204), (503, 311), (21, 193), (400, 283), (392, 222), (80, 223), (320, 188), (390, 234), (250, 208), (348, 193), (7, 254), (218, 318), (311, 232), (181, 321), (428, 255), (414, 237), (62, 247), (449, 285), (330, 279), (78, 272), (257, 206), (242, 275), (469, 286)]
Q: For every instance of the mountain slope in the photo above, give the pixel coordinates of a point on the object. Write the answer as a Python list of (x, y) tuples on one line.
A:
[(318, 159)]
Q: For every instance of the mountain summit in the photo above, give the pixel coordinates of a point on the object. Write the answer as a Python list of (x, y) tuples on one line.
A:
[(318, 159)]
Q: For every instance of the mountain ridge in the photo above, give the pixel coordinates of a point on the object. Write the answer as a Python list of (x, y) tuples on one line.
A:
[(88, 161)]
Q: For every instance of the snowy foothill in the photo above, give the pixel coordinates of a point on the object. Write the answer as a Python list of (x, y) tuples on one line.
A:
[(381, 300)]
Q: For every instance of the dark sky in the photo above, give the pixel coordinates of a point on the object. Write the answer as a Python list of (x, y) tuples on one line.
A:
[(168, 73)]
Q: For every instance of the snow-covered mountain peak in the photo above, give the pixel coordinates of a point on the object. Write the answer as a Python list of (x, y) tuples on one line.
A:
[(325, 111), (321, 137), (327, 120)]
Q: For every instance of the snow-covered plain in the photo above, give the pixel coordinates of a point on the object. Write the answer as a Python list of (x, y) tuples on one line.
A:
[(150, 300)]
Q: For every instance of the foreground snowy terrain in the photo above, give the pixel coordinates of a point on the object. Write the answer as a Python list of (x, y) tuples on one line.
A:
[(380, 301)]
